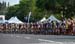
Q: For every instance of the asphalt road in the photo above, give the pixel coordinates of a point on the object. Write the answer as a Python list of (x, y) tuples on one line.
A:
[(36, 39)]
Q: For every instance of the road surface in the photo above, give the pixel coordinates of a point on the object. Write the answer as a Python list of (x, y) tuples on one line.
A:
[(36, 39)]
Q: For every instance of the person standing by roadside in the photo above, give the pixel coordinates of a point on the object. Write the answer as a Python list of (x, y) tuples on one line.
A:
[(73, 27), (70, 26), (66, 27)]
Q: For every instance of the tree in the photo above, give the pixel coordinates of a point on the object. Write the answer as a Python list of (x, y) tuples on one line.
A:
[(46, 5), (68, 7), (3, 8), (12, 11), (41, 8)]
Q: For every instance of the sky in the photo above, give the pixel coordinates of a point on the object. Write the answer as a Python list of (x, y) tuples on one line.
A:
[(12, 2)]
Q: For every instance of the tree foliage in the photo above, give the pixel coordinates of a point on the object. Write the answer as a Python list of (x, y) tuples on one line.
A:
[(41, 8)]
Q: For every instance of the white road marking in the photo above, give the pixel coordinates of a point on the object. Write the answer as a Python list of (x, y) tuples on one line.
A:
[(59, 42), (17, 36), (43, 43), (27, 37), (49, 41), (45, 40)]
